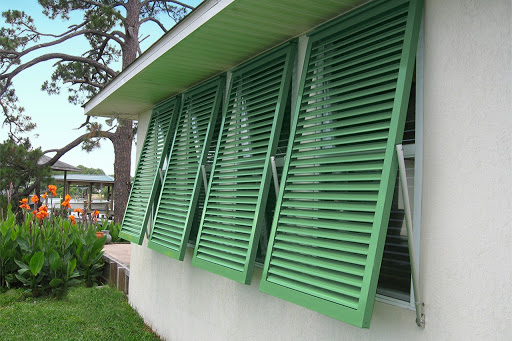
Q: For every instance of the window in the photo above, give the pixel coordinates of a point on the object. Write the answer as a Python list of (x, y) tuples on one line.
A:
[(395, 274)]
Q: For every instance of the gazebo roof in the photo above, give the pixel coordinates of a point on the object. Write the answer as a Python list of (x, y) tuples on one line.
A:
[(85, 179), (59, 165)]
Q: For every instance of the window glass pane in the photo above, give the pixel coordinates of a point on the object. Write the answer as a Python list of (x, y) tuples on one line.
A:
[(395, 272)]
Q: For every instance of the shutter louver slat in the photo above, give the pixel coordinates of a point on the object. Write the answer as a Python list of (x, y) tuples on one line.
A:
[(330, 226), (147, 180), (183, 177), (233, 215)]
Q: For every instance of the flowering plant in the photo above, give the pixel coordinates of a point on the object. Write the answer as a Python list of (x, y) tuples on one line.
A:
[(49, 254)]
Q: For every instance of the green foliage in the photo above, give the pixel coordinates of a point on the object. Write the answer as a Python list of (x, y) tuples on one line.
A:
[(48, 256), (13, 37), (93, 171), (18, 165)]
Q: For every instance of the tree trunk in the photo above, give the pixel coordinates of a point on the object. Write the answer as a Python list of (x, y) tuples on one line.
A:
[(122, 142), (131, 43), (124, 134)]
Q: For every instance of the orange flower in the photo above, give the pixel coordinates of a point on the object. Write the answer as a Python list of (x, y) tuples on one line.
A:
[(25, 206), (66, 204), (72, 218), (44, 195), (41, 215), (42, 212), (95, 215), (34, 199), (79, 210), (67, 197), (34, 212), (53, 189), (24, 200)]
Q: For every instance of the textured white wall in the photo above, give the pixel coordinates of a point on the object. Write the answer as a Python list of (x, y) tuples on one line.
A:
[(467, 197), (466, 236)]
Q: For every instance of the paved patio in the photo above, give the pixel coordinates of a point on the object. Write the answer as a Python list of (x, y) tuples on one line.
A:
[(118, 252)]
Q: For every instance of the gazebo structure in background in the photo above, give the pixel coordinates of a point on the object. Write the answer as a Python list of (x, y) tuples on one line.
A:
[(60, 166), (90, 180)]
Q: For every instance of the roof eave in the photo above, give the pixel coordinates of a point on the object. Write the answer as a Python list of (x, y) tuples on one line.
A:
[(214, 38), (178, 32)]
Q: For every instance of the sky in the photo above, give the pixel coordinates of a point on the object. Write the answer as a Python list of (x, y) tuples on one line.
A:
[(57, 120)]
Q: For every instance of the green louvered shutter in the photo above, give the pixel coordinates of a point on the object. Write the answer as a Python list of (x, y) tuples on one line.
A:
[(230, 226), (147, 178), (331, 216), (183, 177)]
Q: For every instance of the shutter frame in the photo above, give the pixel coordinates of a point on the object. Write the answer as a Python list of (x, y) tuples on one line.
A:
[(137, 236), (362, 315), (219, 84), (288, 51)]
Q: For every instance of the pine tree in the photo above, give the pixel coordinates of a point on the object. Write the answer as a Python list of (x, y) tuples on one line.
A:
[(112, 29)]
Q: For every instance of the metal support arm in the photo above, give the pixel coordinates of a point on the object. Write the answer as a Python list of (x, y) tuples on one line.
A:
[(274, 175), (205, 178), (420, 317)]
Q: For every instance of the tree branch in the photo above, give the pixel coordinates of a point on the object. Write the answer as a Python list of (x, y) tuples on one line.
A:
[(155, 21), (86, 81), (99, 4), (65, 38), (61, 151), (72, 28), (61, 56), (146, 2)]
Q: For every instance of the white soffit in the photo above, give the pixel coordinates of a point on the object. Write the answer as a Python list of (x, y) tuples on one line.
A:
[(215, 37)]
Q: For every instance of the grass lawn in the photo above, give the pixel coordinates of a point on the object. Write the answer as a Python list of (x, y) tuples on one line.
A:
[(101, 313)]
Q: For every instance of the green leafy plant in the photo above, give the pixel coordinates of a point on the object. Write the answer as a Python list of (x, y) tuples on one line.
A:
[(33, 269), (8, 234), (63, 272), (89, 254)]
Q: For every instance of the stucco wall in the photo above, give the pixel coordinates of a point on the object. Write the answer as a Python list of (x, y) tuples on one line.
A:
[(467, 196), (466, 232)]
